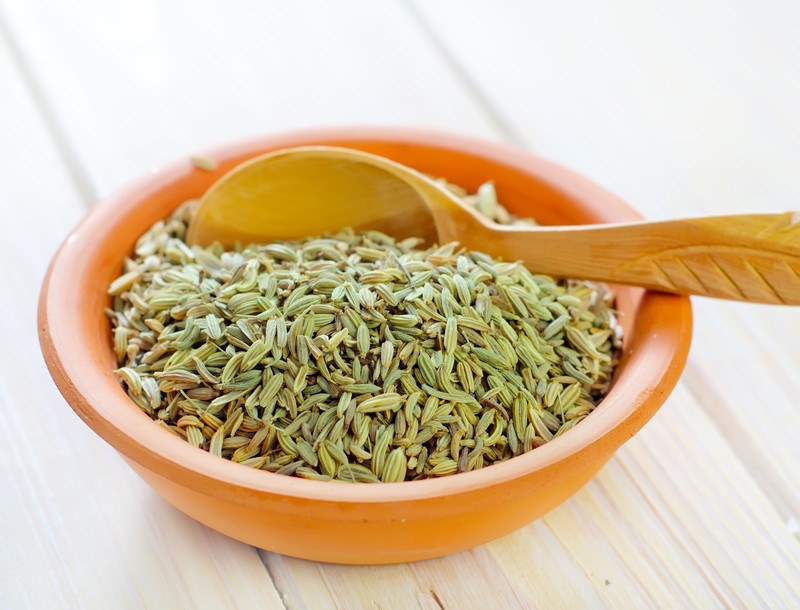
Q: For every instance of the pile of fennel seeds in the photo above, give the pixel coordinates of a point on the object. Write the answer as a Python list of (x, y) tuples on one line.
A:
[(356, 357)]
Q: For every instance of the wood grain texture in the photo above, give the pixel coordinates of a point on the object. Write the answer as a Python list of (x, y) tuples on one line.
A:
[(655, 524), (180, 78), (78, 528), (682, 108), (678, 107), (676, 125)]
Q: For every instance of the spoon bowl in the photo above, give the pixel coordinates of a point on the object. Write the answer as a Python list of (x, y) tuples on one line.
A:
[(303, 191)]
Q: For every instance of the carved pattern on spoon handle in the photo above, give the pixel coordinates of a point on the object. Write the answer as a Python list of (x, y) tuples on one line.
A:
[(739, 273)]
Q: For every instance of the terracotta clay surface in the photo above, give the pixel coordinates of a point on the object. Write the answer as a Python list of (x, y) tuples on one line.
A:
[(353, 523)]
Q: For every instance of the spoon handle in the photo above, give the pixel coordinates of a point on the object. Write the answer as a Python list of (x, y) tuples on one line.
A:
[(753, 257)]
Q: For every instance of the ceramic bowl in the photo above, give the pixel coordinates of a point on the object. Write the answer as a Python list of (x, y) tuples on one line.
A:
[(341, 522)]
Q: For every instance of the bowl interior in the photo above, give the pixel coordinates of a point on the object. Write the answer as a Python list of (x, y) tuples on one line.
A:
[(82, 359)]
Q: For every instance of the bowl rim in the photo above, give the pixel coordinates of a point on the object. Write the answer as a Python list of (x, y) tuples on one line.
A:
[(655, 368)]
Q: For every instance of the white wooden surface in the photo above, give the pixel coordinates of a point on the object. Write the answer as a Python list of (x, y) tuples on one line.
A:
[(680, 107)]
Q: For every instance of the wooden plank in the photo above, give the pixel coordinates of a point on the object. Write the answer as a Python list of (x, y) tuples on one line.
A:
[(661, 102), (137, 85), (723, 528), (678, 116), (115, 135), (656, 528), (78, 528), (743, 372)]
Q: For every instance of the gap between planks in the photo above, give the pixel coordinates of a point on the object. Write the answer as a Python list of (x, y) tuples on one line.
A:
[(74, 168), (500, 82), (483, 101)]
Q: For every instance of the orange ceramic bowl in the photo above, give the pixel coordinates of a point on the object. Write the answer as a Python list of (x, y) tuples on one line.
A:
[(341, 522)]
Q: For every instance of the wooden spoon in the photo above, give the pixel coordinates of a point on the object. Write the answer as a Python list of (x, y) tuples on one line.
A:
[(307, 191)]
